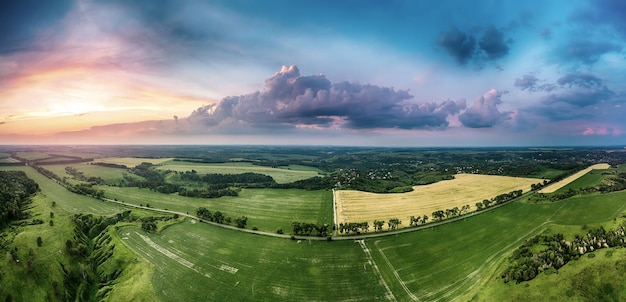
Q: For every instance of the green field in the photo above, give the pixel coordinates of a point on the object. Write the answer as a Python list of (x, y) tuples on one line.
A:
[(281, 175), (198, 260), (456, 259), (590, 179), (267, 209), (109, 175)]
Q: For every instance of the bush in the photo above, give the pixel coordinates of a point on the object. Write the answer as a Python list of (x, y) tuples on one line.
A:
[(39, 241), (279, 230)]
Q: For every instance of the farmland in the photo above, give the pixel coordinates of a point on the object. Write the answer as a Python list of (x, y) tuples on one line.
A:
[(184, 259), (465, 189), (554, 187), (196, 260), (266, 209), (285, 174)]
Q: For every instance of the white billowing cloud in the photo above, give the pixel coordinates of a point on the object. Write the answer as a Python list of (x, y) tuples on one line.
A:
[(484, 113), (291, 100)]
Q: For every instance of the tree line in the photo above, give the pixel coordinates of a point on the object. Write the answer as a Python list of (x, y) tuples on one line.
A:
[(309, 229), (219, 217)]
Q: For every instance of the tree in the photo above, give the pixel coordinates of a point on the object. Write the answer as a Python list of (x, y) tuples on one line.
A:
[(218, 217), (241, 222), (479, 206), (51, 222), (39, 241), (51, 214), (424, 219), (393, 223), (438, 215), (378, 225), (279, 230)]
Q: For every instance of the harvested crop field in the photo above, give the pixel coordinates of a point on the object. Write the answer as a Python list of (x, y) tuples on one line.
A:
[(553, 187), (465, 189)]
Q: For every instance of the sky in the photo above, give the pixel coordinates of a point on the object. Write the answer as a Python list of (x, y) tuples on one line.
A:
[(364, 73)]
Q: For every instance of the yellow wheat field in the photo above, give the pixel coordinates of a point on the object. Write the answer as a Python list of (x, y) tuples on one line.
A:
[(464, 189), (553, 187)]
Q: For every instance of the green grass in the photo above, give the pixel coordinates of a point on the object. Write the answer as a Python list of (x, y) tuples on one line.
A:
[(198, 261), (590, 179), (69, 201), (267, 209), (595, 208), (281, 175), (455, 259)]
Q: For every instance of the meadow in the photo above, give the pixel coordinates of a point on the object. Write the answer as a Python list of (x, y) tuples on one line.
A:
[(199, 260), (266, 209), (465, 189), (282, 174)]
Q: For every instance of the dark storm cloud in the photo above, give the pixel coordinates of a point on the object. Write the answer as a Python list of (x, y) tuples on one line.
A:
[(21, 21), (458, 44), (465, 48), (291, 100), (493, 43), (484, 113), (584, 80), (581, 98)]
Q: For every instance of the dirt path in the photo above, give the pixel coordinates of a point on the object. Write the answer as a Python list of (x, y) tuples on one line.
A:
[(554, 187)]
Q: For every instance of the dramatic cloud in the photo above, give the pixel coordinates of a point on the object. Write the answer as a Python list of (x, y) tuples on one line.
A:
[(586, 52), (459, 45), (291, 100), (581, 98), (493, 43), (584, 80), (484, 113), (464, 47)]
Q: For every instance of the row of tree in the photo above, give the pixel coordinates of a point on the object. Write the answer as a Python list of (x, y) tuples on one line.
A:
[(363, 227), (309, 229), (450, 213), (500, 199), (219, 217)]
